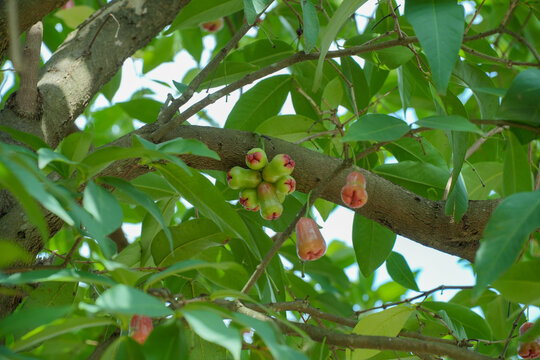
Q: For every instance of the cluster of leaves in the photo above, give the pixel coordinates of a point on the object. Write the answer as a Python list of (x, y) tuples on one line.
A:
[(473, 136)]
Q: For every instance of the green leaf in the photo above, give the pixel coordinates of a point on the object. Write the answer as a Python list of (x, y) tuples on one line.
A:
[(311, 25), (126, 300), (421, 178), (187, 265), (31, 140), (419, 150), (449, 122), (259, 103), (142, 109), (166, 342), (355, 74), (261, 53), (24, 320), (521, 283), (69, 275), (187, 146), (340, 17), (376, 127), (198, 12), (226, 73), (104, 208), (476, 79), (65, 326), (490, 173), (12, 252), (474, 325), (210, 326), (507, 230), (372, 243), (457, 201), (123, 347), (399, 271), (203, 195), (252, 8), (189, 238), (438, 24), (459, 141), (290, 128), (142, 199), (516, 174), (388, 322), (521, 100), (74, 16)]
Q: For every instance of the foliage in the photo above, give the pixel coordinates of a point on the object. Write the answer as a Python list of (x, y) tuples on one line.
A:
[(443, 102)]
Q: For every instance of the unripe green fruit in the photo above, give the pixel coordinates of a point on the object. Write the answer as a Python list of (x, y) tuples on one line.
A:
[(271, 207), (249, 199), (256, 159), (286, 185), (310, 244), (240, 178), (281, 165), (281, 196)]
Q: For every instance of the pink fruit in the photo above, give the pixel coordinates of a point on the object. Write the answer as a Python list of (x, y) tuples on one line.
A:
[(212, 26), (310, 244), (271, 207), (256, 159), (140, 327), (356, 177), (281, 165), (528, 350), (354, 196)]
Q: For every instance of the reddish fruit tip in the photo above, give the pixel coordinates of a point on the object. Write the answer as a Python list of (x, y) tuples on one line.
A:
[(273, 216), (140, 327), (288, 162), (354, 196)]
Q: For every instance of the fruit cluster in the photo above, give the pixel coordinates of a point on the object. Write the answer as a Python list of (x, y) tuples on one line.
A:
[(354, 193), (264, 185), (529, 350)]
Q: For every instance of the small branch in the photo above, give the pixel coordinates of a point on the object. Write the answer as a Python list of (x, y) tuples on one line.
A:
[(285, 235), (15, 52), (506, 62), (27, 97), (514, 326), (535, 129), (524, 41), (474, 17)]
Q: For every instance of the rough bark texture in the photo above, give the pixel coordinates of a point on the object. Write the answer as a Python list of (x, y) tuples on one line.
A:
[(29, 13)]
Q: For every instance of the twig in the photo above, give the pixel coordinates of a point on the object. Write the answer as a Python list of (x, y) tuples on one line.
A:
[(110, 16), (474, 17), (514, 326), (285, 235), (27, 98), (507, 62), (68, 257)]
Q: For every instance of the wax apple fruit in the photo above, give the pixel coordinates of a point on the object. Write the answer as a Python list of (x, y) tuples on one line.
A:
[(256, 159), (354, 193), (212, 26), (310, 244), (249, 199), (271, 207), (140, 327), (357, 178), (281, 165), (240, 178), (286, 185), (529, 350)]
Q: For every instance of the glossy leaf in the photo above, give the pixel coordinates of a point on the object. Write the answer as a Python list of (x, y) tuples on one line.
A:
[(70, 275), (439, 25), (252, 8), (521, 100), (104, 208), (457, 201), (311, 25), (372, 243), (449, 122), (198, 12), (290, 128), (27, 319), (259, 103), (399, 270), (516, 174), (376, 127), (521, 283), (476, 79), (507, 230), (166, 342), (126, 300), (388, 322)]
